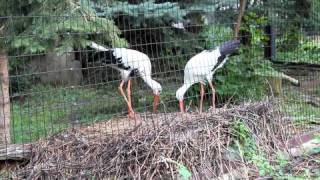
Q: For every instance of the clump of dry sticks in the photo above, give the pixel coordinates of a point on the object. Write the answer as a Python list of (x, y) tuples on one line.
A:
[(149, 151)]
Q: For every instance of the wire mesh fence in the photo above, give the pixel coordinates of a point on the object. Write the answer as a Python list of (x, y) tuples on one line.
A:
[(139, 89)]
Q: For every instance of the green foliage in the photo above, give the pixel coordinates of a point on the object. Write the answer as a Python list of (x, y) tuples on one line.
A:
[(201, 6), (239, 80), (243, 140), (292, 18), (306, 51), (264, 166), (60, 26), (248, 149), (184, 172), (241, 77), (289, 40), (182, 169), (213, 35), (147, 10), (290, 13), (240, 131), (254, 24)]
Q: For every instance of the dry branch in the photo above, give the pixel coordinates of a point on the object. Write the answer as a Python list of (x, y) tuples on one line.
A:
[(199, 142), (15, 152), (289, 78)]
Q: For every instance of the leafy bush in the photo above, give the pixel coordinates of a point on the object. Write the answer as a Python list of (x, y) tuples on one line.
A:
[(213, 35), (245, 145), (307, 51)]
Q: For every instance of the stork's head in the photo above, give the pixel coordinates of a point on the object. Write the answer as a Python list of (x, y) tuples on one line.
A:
[(180, 93), (156, 88)]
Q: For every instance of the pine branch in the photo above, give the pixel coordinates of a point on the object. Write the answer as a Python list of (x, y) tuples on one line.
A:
[(69, 23)]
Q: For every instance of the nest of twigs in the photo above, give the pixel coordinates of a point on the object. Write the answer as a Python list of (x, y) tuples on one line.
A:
[(157, 147)]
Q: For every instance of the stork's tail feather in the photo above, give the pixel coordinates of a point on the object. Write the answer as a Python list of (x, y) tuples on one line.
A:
[(229, 47), (98, 47)]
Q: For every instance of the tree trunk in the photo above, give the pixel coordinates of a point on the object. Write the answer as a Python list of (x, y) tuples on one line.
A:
[(276, 86), (241, 13), (4, 100)]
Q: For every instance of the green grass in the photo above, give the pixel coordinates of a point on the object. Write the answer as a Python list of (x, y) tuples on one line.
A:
[(301, 112), (299, 56), (49, 110)]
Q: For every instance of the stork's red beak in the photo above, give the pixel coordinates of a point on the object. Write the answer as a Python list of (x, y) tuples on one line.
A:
[(181, 105), (156, 99)]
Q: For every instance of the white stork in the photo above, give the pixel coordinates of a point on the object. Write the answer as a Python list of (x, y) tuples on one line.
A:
[(129, 63), (201, 68)]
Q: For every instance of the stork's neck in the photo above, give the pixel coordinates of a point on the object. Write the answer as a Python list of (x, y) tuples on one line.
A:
[(154, 85), (216, 52), (182, 90)]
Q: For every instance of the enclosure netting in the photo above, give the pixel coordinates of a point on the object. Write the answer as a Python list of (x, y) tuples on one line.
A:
[(62, 89)]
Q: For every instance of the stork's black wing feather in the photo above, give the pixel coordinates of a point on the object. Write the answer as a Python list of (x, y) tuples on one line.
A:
[(109, 58), (229, 47)]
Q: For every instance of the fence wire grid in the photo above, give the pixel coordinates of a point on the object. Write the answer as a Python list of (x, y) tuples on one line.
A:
[(63, 64)]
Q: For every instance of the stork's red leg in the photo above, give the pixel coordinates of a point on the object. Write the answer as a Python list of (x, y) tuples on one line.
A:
[(181, 105), (201, 97), (130, 109), (213, 94), (156, 99), (125, 98), (129, 92)]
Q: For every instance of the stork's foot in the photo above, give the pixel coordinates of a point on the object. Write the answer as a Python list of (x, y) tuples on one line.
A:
[(132, 115), (212, 108)]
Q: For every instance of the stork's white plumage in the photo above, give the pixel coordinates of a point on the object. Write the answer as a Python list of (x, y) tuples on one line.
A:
[(201, 68), (130, 62)]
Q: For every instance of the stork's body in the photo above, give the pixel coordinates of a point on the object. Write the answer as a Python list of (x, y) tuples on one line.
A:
[(201, 68), (129, 63)]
